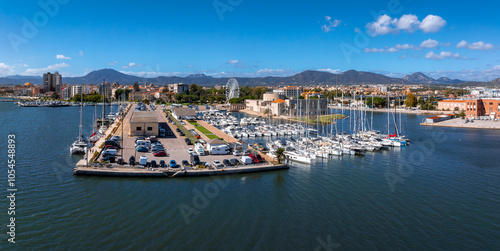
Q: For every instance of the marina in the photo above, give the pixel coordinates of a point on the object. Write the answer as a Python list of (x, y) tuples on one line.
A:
[(174, 150), (332, 191)]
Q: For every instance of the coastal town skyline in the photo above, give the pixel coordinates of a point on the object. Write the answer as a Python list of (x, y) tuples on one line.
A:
[(392, 38)]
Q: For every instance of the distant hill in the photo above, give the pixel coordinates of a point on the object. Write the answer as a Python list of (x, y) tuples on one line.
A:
[(97, 77), (304, 78), (421, 78)]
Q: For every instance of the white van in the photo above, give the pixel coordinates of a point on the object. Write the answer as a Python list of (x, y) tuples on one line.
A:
[(143, 160), (246, 160), (145, 143), (109, 152), (220, 150), (199, 149)]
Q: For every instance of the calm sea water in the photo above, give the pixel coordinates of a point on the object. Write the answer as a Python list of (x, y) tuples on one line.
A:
[(440, 193)]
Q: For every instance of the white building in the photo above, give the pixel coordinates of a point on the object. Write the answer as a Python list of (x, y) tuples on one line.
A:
[(76, 89), (105, 90), (178, 88), (289, 91)]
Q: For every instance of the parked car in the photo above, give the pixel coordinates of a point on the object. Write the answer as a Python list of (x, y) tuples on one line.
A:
[(173, 164), (188, 142), (139, 138), (254, 159), (142, 149), (111, 142), (190, 150), (157, 147), (131, 160), (143, 160), (110, 147), (217, 164), (236, 153), (153, 163), (181, 133), (159, 154), (226, 162), (185, 163), (162, 163), (259, 158), (177, 129), (116, 138), (234, 162), (246, 160), (195, 160)]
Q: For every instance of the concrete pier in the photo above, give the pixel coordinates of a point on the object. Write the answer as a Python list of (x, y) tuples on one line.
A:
[(130, 171), (176, 150)]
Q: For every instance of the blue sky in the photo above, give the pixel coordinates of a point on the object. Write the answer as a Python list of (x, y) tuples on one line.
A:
[(251, 38)]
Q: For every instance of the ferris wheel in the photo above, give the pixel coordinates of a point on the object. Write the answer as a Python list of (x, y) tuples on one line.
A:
[(232, 89)]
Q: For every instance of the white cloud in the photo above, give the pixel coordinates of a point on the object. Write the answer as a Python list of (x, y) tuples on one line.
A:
[(232, 61), (334, 71), (6, 70), (40, 71), (403, 56), (396, 48), (371, 50), (113, 63), (382, 26), (442, 55), (62, 57), (480, 45), (331, 24), (406, 47), (153, 74), (469, 75), (430, 44), (408, 23), (80, 53), (130, 65), (432, 24), (259, 73), (385, 24)]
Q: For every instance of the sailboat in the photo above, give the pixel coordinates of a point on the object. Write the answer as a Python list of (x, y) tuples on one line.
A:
[(81, 143)]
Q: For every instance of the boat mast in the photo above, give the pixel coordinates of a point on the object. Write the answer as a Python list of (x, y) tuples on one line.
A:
[(342, 105), (388, 114), (372, 116), (81, 117)]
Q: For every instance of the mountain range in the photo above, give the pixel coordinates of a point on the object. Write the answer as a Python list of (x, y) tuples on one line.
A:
[(421, 78), (304, 78)]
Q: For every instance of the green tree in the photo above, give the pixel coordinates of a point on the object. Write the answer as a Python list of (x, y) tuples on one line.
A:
[(136, 87), (55, 95), (411, 100), (280, 152), (119, 94), (377, 102)]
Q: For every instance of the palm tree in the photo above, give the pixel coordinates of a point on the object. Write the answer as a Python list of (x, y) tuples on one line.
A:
[(279, 154)]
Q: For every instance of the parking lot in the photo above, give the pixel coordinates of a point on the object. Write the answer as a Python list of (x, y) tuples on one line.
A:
[(175, 146)]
